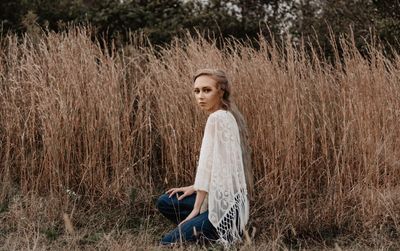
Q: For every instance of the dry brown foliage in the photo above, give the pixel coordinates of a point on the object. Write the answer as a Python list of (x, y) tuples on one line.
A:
[(93, 127)]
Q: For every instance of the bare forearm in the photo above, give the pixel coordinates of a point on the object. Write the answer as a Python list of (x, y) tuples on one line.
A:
[(197, 205), (199, 199)]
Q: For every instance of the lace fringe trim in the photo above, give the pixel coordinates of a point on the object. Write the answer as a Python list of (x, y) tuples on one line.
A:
[(230, 227)]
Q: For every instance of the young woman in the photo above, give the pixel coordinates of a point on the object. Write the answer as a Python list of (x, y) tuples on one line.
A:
[(216, 206)]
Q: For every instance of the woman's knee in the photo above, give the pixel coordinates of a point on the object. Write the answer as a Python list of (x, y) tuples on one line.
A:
[(163, 202), (179, 234), (170, 238)]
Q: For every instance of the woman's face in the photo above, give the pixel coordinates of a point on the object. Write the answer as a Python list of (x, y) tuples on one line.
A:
[(208, 96)]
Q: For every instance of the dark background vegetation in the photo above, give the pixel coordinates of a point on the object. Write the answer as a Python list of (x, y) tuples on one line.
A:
[(161, 20)]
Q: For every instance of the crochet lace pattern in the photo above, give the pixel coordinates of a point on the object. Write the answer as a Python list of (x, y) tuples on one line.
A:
[(220, 173)]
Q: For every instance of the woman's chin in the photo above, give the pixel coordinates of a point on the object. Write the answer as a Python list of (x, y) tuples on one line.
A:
[(203, 108)]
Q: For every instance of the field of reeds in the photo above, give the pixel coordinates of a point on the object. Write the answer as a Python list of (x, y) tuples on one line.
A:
[(91, 134)]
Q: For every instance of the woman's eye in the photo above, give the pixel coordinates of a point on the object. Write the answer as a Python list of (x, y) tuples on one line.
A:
[(196, 91)]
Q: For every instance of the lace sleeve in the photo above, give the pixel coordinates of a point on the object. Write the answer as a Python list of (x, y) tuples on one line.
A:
[(203, 174), (227, 195), (220, 173)]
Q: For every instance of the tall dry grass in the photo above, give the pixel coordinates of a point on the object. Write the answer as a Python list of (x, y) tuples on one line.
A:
[(94, 127)]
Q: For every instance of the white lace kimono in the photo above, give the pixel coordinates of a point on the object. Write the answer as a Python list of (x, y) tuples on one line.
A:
[(220, 173)]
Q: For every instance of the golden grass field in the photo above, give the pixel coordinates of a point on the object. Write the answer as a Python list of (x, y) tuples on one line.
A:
[(91, 136)]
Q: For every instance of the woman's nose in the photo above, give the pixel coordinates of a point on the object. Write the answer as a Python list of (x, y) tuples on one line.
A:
[(201, 95)]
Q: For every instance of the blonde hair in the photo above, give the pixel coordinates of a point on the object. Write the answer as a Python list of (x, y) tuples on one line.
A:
[(222, 82)]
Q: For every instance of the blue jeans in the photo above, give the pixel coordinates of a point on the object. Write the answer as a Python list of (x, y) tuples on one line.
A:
[(198, 228)]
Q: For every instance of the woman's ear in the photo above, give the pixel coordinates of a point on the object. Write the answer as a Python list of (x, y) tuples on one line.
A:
[(221, 93)]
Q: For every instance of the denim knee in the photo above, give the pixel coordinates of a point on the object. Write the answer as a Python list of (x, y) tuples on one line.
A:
[(162, 202), (198, 228), (176, 235), (169, 239)]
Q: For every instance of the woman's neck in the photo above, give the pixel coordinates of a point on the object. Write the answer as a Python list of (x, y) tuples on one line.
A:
[(214, 109)]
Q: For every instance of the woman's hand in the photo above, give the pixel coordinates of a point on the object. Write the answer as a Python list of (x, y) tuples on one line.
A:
[(187, 191), (193, 214)]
